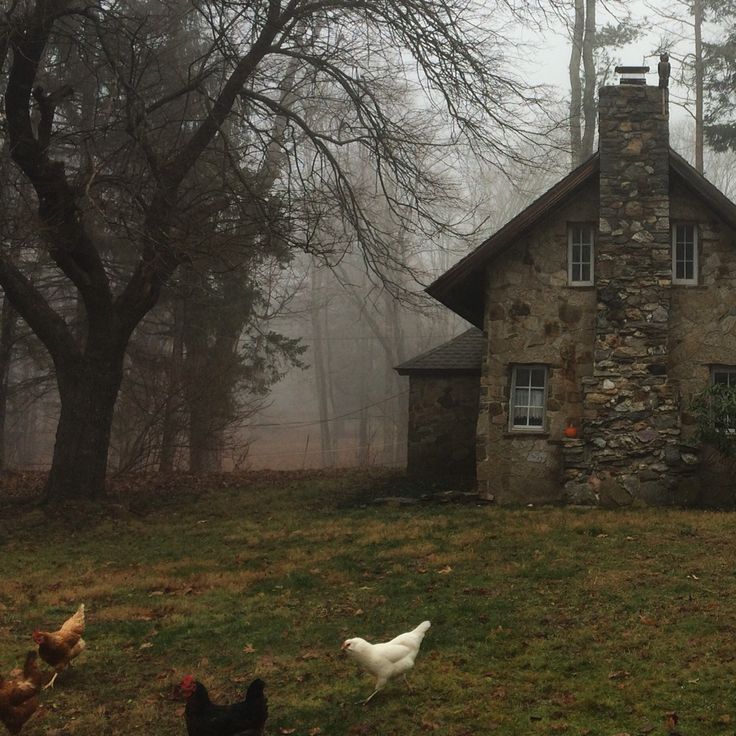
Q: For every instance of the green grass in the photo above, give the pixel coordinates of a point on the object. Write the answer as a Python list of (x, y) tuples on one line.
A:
[(544, 621)]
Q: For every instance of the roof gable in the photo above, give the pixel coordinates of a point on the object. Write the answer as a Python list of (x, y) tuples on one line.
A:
[(462, 287)]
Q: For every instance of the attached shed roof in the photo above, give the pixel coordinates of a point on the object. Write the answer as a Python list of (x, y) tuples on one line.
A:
[(462, 287), (462, 354)]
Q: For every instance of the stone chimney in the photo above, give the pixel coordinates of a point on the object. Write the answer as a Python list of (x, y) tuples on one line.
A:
[(631, 415)]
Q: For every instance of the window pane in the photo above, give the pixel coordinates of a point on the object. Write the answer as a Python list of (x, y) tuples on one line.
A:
[(684, 253), (580, 253), (528, 396), (536, 397), (725, 377), (538, 377)]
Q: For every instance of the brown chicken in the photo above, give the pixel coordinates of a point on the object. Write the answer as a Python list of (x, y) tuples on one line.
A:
[(59, 648), (19, 695)]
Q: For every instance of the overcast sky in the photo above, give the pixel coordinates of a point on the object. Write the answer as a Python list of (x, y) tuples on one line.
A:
[(549, 65)]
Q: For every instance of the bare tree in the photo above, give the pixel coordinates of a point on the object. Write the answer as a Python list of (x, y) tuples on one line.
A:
[(113, 201), (590, 46), (683, 23)]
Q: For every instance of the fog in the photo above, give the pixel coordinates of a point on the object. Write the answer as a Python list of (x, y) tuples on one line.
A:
[(309, 358)]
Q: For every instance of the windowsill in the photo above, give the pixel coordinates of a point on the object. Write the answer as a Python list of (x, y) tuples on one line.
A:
[(526, 434), (580, 286), (687, 285)]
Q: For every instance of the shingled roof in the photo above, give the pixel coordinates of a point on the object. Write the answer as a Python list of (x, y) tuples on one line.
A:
[(462, 287), (462, 354)]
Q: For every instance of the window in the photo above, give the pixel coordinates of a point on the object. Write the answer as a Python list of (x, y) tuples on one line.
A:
[(724, 375), (684, 254), (528, 394), (580, 255), (722, 417)]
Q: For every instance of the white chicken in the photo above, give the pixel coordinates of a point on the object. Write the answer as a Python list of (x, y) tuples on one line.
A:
[(389, 659)]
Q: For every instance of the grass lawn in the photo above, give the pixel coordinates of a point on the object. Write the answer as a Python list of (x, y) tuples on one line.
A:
[(544, 621)]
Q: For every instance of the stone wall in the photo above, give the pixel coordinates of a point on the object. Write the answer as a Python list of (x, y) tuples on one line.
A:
[(443, 411), (533, 316), (702, 333)]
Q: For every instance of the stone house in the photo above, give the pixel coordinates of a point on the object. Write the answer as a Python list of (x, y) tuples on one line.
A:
[(605, 305)]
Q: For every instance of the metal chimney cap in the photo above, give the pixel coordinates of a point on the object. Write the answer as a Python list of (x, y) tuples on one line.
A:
[(632, 74)]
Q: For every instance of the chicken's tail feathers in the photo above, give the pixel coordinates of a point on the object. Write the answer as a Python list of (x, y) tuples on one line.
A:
[(422, 628), (30, 666), (76, 622), (255, 688)]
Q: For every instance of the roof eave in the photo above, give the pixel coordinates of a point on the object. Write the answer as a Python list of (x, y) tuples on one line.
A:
[(456, 288), (692, 178), (437, 371)]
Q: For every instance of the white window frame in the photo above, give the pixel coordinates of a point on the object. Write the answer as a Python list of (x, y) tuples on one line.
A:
[(678, 228), (582, 229), (529, 386)]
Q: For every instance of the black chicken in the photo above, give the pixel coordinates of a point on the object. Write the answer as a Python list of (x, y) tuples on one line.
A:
[(205, 718)]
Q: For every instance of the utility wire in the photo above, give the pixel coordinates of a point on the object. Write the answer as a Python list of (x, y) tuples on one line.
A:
[(330, 419)]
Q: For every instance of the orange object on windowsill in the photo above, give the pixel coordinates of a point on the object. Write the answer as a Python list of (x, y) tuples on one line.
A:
[(570, 431)]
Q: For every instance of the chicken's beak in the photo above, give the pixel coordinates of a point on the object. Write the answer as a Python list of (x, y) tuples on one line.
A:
[(345, 646)]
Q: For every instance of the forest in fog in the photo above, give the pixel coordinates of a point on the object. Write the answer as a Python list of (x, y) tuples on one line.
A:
[(217, 220)]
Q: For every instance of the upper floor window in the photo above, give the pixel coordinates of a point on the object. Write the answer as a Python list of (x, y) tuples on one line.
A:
[(528, 397), (684, 253), (580, 238)]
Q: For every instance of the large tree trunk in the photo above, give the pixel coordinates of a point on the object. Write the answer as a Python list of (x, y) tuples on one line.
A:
[(589, 109), (172, 410), (576, 92), (698, 27), (319, 349), (203, 399), (205, 441), (88, 389)]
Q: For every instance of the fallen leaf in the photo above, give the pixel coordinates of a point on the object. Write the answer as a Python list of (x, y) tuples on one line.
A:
[(146, 645), (249, 649), (647, 620), (314, 731), (446, 570), (287, 730), (618, 675)]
